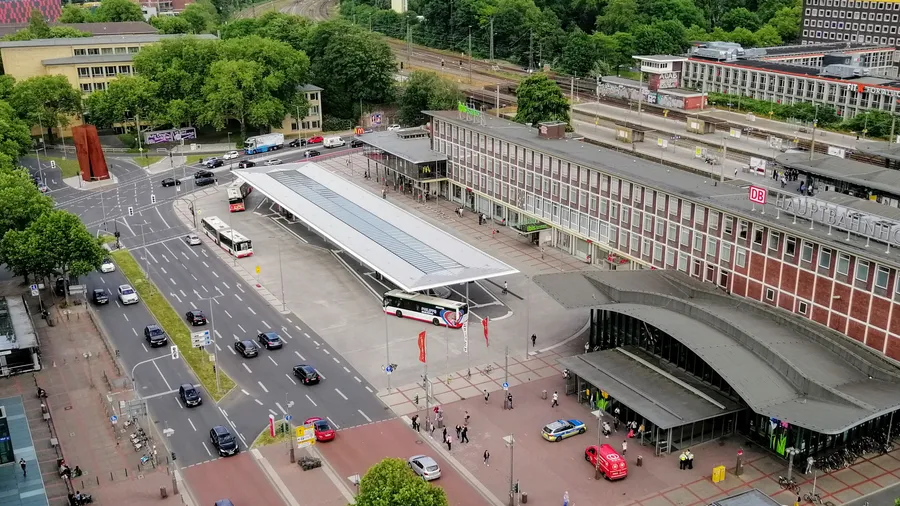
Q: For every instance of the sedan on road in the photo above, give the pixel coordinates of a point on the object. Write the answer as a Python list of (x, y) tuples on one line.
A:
[(425, 466), (43, 188), (189, 394), (107, 266), (204, 181), (356, 143), (246, 348), (223, 441), (270, 340), (155, 336), (273, 161), (312, 152), (192, 240), (231, 155), (127, 295), (323, 429), (297, 143), (212, 164), (562, 429), (170, 181), (318, 139), (203, 173), (100, 297), (246, 164), (306, 374), (393, 128), (195, 317)]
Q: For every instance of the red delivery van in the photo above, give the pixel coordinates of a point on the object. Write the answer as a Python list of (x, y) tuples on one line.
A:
[(612, 465)]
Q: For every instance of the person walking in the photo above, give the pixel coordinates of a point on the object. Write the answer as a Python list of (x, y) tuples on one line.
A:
[(487, 458), (690, 460), (555, 402), (505, 288), (432, 427), (449, 443), (415, 422), (458, 430), (533, 340), (509, 399), (624, 447), (24, 466), (445, 434), (465, 435), (466, 419), (606, 430), (566, 498), (486, 396)]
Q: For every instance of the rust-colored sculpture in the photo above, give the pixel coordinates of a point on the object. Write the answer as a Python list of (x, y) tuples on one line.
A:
[(90, 154)]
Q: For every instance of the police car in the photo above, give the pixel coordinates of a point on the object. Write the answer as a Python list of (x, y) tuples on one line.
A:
[(562, 429)]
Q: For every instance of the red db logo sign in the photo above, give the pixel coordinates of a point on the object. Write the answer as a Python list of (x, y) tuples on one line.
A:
[(757, 195)]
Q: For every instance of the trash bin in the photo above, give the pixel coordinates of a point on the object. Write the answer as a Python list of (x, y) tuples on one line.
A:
[(524, 498), (640, 461), (544, 394), (163, 493)]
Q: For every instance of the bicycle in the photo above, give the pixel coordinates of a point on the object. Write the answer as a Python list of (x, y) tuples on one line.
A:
[(788, 484), (813, 498), (487, 369)]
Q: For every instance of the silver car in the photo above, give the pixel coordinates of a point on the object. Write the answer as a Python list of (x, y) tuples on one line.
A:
[(192, 240), (425, 466)]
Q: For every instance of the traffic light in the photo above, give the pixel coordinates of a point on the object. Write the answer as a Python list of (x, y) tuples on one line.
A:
[(130, 211), (175, 352), (516, 488), (152, 198), (173, 456), (117, 234)]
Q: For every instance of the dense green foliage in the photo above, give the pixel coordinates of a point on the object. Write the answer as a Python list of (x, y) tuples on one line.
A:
[(391, 482), (39, 29), (580, 36), (425, 91), (540, 99)]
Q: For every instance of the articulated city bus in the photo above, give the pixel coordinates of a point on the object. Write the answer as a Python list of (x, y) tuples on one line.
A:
[(237, 192), (441, 312), (227, 239)]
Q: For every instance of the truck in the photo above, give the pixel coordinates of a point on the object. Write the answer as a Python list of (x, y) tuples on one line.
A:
[(263, 143)]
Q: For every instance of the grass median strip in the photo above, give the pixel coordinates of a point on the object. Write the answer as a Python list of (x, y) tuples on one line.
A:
[(172, 323), (68, 167), (282, 434)]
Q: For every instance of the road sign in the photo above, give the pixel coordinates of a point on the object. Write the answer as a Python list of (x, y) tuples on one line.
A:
[(174, 352), (130, 211), (34, 290), (152, 198), (258, 269), (758, 195), (201, 339), (388, 369), (306, 436), (505, 386), (168, 432), (114, 419), (288, 418)]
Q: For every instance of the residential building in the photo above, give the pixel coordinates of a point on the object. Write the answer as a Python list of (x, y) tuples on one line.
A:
[(834, 263), (850, 21), (123, 28), (312, 122), (19, 11)]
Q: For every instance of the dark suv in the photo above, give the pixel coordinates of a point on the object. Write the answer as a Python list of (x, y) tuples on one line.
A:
[(155, 336), (195, 317), (270, 340), (203, 173), (100, 296), (223, 441), (306, 374), (204, 181), (247, 348), (189, 394)]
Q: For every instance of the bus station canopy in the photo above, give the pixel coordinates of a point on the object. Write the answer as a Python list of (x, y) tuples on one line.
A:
[(408, 251)]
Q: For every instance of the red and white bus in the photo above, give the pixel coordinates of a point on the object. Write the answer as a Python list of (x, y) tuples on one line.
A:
[(440, 312), (237, 192), (227, 239)]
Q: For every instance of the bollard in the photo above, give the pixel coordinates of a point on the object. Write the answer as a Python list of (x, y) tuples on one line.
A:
[(126, 472), (110, 476), (293, 458), (163, 493), (544, 395), (524, 498), (640, 461)]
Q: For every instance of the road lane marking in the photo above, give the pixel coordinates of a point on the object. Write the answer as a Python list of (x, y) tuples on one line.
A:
[(266, 324), (273, 412), (214, 273), (326, 351), (245, 367), (154, 396), (312, 401), (348, 370), (283, 412), (160, 215), (195, 277), (104, 281), (176, 296), (369, 389), (239, 287), (126, 316), (218, 347), (286, 333), (206, 448), (251, 310), (204, 288), (236, 338), (217, 334), (144, 347), (258, 402), (216, 301), (342, 395), (242, 328), (290, 378), (321, 375), (239, 297), (219, 290), (357, 379), (226, 285), (273, 360), (299, 329), (226, 312), (125, 222), (289, 320), (163, 269), (365, 416), (307, 335), (336, 361), (182, 293), (316, 342), (205, 264), (266, 390), (151, 254), (299, 355), (195, 428), (232, 350), (135, 331), (172, 281), (245, 392), (336, 426)]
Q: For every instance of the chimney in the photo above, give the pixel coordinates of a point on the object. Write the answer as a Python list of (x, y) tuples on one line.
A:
[(552, 129)]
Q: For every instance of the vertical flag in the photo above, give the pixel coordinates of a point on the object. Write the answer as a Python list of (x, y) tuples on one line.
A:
[(465, 329), (422, 346), (484, 323)]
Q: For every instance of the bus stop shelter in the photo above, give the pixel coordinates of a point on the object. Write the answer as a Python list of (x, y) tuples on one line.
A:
[(406, 250)]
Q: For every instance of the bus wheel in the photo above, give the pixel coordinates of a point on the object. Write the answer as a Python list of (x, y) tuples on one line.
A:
[(436, 322), (399, 314)]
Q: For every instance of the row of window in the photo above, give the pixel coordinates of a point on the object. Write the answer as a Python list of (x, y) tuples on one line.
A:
[(89, 87), (882, 6), (852, 37), (839, 25), (306, 125), (864, 16), (105, 71), (93, 51)]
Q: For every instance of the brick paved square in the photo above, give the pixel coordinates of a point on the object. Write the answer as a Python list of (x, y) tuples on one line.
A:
[(439, 387), (829, 484), (656, 501), (547, 372), (784, 497), (518, 368), (681, 497), (446, 397), (479, 378), (868, 487), (704, 489), (886, 462), (768, 465), (750, 474), (845, 496), (394, 399), (868, 469), (767, 484), (404, 408), (849, 476), (886, 480), (469, 391)]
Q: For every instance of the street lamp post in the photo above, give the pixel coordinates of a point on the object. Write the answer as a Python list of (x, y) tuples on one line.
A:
[(511, 443), (791, 452), (212, 333)]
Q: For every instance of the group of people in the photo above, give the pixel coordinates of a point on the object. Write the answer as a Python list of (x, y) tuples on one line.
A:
[(686, 460), (66, 472), (78, 499)]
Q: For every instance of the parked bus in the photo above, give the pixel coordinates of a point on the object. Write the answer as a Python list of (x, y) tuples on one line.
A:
[(229, 240), (441, 312), (237, 192)]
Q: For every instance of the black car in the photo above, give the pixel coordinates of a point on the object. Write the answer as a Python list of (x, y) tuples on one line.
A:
[(356, 143), (297, 143), (312, 152), (212, 164), (189, 394), (223, 441), (306, 374), (246, 164), (247, 348), (203, 173), (195, 317), (204, 181), (100, 297), (60, 287), (170, 181), (270, 340), (155, 336)]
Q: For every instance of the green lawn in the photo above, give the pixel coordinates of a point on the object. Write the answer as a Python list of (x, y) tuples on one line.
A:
[(174, 325), (265, 438), (69, 167), (145, 161)]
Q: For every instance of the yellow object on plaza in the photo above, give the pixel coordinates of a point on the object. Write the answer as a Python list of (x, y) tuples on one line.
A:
[(718, 474)]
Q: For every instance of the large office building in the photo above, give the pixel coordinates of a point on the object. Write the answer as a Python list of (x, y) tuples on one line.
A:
[(835, 263), (19, 11), (851, 21)]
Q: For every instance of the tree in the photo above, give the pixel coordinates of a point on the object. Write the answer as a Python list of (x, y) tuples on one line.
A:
[(580, 53), (682, 10), (740, 17), (46, 100), (7, 83), (391, 481), (540, 99), (292, 30), (618, 16), (662, 37), (425, 91), (126, 97), (170, 24), (875, 124), (787, 22), (283, 66), (72, 13), (111, 11), (236, 90), (38, 26), (625, 44), (767, 36), (743, 36), (20, 201), (201, 16), (15, 136)]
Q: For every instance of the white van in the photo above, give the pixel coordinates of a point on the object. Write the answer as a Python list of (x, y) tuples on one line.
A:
[(333, 142)]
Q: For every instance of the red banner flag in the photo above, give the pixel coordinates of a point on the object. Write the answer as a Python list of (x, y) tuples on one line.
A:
[(484, 323), (422, 346)]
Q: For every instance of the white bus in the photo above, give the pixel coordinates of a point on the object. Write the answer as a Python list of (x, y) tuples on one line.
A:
[(227, 239), (441, 312), (237, 192)]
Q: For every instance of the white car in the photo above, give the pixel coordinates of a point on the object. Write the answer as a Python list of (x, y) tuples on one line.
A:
[(231, 155), (424, 466), (107, 266), (274, 161), (393, 128), (127, 295), (192, 240)]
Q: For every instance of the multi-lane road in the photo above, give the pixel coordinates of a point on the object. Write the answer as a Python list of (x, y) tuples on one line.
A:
[(193, 278)]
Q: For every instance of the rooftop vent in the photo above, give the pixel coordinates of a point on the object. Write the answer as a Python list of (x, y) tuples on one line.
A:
[(552, 129)]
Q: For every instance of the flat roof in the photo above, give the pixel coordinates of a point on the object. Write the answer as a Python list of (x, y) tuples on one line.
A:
[(890, 151), (16, 330), (812, 72), (410, 252), (729, 196), (660, 58), (100, 40), (781, 364), (841, 47), (414, 150), (660, 397), (841, 169), (89, 59)]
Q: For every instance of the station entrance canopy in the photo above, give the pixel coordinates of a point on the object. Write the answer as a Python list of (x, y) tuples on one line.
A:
[(408, 251)]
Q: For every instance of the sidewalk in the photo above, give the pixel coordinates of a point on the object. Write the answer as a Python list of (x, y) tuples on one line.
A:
[(315, 487), (78, 374)]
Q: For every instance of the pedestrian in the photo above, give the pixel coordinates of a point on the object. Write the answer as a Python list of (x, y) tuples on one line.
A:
[(458, 430), (690, 460), (616, 424), (24, 465), (415, 422), (432, 428), (533, 340), (616, 413), (383, 193), (555, 402), (809, 463), (466, 419), (624, 447), (449, 443), (606, 430), (445, 434), (465, 435), (682, 461), (486, 396), (509, 399), (566, 498), (735, 173), (783, 181), (487, 458), (505, 288)]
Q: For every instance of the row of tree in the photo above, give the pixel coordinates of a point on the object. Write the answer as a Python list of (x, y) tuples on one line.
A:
[(197, 17), (580, 36)]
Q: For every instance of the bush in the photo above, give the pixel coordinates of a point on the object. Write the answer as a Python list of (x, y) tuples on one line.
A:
[(332, 124), (128, 140)]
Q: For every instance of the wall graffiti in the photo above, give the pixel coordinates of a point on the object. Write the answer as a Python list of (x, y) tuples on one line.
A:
[(174, 135), (670, 101)]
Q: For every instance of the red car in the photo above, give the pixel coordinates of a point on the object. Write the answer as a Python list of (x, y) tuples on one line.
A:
[(612, 465), (323, 429), (315, 140)]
